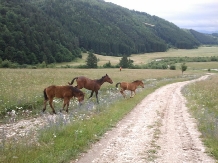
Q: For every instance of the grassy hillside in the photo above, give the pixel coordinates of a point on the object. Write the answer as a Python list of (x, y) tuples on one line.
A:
[(33, 31)]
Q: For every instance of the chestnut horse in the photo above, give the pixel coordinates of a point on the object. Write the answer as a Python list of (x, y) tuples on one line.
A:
[(64, 92), (93, 85), (130, 86)]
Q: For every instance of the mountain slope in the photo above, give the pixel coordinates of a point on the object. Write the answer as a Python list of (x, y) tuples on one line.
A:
[(33, 31), (204, 38)]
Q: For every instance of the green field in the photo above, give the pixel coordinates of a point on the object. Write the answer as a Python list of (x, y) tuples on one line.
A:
[(20, 87)]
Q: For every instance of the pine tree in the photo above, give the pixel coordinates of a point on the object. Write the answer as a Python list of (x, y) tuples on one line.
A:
[(91, 61), (125, 62)]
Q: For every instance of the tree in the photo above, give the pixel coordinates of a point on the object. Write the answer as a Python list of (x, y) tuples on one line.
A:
[(125, 62), (183, 67), (91, 61), (107, 65)]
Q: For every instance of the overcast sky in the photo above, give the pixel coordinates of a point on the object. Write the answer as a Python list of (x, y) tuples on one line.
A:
[(200, 15)]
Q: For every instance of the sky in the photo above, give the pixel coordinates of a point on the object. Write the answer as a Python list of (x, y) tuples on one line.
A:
[(199, 15)]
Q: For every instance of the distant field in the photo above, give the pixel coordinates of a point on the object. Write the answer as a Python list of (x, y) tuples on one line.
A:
[(141, 59), (202, 65), (200, 52)]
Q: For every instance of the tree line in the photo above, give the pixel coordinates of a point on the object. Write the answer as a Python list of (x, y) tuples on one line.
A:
[(54, 31)]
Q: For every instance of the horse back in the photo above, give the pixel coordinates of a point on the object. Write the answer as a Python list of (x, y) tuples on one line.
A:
[(84, 82), (127, 86), (59, 91)]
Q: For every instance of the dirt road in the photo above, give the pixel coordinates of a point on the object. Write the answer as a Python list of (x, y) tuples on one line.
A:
[(159, 129)]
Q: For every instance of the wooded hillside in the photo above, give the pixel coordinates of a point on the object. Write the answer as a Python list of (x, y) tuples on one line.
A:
[(33, 31)]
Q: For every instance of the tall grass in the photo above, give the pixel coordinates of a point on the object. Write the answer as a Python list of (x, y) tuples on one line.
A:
[(65, 136), (21, 89), (202, 100)]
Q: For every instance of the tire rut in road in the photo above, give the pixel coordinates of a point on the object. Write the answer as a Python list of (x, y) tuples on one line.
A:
[(179, 140)]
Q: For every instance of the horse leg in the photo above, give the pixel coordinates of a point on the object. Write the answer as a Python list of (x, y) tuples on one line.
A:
[(51, 105), (131, 95), (134, 93), (96, 94), (122, 92), (66, 102), (91, 94), (67, 105)]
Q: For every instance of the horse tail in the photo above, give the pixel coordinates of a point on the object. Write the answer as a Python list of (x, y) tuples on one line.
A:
[(45, 95), (117, 84), (72, 81)]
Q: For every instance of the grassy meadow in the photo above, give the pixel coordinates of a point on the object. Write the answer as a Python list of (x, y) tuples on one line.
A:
[(21, 91), (22, 88), (202, 99)]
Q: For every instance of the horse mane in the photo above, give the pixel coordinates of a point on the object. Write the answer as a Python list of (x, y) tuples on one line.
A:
[(74, 89), (136, 81), (101, 80)]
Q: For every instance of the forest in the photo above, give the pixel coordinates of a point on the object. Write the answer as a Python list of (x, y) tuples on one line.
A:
[(55, 31)]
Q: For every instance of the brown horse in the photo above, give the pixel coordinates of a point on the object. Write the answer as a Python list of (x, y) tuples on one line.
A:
[(93, 85), (130, 86), (64, 92)]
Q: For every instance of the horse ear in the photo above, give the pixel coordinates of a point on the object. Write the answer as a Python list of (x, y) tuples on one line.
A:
[(106, 75)]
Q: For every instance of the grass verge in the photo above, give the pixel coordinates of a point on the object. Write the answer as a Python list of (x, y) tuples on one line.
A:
[(202, 100)]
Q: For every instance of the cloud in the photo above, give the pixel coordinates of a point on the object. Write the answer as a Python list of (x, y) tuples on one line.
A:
[(199, 17), (192, 14)]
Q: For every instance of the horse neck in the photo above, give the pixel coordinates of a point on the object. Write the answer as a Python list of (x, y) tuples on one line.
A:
[(137, 83), (100, 81)]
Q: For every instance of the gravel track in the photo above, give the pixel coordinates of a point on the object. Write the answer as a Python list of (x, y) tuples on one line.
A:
[(158, 129)]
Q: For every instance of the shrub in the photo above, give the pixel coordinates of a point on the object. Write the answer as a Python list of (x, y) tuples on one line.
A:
[(172, 67)]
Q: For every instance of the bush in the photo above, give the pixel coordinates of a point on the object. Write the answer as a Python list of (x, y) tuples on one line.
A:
[(172, 67), (107, 65)]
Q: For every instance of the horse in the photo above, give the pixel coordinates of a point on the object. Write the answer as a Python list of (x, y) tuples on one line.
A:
[(129, 86), (93, 85), (63, 92)]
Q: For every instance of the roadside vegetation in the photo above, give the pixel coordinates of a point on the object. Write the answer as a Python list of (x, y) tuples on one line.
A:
[(202, 100)]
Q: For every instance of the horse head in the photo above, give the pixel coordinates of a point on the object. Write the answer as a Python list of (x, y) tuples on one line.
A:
[(141, 84), (78, 94), (106, 78)]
